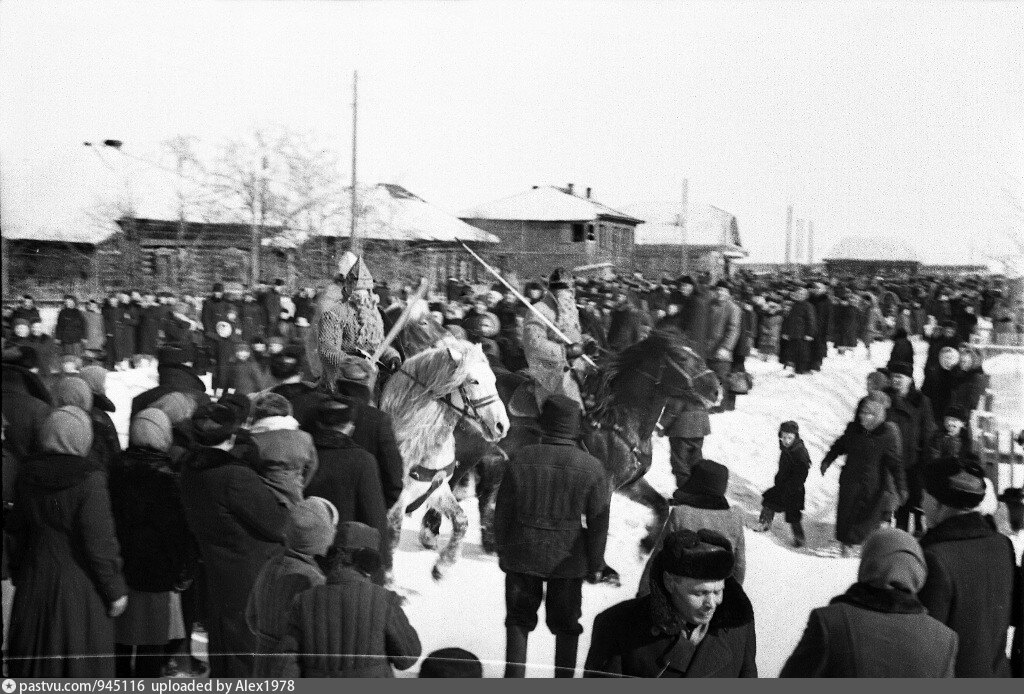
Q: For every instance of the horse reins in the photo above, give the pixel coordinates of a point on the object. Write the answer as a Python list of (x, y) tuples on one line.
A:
[(471, 408)]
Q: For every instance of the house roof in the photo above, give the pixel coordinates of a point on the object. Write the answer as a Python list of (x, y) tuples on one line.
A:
[(392, 213), (545, 204), (85, 234), (871, 248), (707, 226)]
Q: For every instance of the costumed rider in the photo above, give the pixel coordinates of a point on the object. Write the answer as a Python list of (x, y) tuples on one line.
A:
[(347, 322), (557, 368)]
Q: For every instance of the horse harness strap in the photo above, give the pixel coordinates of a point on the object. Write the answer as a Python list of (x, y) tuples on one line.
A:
[(470, 411), (425, 474)]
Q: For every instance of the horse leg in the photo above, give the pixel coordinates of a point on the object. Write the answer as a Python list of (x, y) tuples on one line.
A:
[(394, 520), (492, 469), (449, 505), (643, 493), (430, 527)]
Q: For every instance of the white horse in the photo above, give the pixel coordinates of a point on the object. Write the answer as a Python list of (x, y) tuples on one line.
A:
[(427, 398)]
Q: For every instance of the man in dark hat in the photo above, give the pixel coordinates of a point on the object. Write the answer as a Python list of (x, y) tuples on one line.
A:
[(552, 361), (911, 412), (543, 547), (696, 621), (971, 567), (175, 375)]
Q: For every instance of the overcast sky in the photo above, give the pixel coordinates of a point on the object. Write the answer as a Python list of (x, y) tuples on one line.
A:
[(897, 119)]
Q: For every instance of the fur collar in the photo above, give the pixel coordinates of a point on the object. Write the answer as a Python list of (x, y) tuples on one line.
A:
[(889, 601), (968, 526), (208, 458), (734, 611), (275, 423)]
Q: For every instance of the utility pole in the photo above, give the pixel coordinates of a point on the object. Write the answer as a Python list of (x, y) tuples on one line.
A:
[(789, 235), (685, 259), (810, 242), (353, 241)]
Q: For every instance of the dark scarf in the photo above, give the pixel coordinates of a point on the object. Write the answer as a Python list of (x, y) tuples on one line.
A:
[(887, 600)]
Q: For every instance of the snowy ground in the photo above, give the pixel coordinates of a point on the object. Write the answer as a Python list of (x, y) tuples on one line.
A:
[(784, 584)]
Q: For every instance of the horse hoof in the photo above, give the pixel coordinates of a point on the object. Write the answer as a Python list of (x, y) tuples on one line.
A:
[(428, 539), (611, 577), (438, 572)]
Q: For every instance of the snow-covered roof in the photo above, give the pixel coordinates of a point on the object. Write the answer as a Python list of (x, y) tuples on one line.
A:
[(392, 213), (706, 225), (545, 204), (86, 234), (871, 248)]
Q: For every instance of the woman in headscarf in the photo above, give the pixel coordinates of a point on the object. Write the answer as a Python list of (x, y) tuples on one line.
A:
[(159, 553), (76, 392), (65, 558)]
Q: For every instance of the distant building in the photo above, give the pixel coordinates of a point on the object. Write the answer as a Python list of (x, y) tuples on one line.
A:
[(710, 242), (871, 256), (49, 263), (548, 227)]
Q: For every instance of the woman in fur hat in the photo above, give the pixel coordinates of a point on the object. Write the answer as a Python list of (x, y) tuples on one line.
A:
[(64, 558)]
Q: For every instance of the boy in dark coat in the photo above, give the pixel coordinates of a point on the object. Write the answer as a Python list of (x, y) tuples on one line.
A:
[(971, 568), (949, 441), (878, 628), (349, 627), (239, 524), (695, 622), (542, 545), (787, 496)]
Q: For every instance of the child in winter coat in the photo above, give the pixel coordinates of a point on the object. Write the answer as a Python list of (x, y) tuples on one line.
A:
[(223, 353), (245, 374), (287, 456), (950, 442), (787, 496)]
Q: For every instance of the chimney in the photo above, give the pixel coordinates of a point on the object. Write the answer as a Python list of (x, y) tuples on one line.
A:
[(569, 189), (588, 193)]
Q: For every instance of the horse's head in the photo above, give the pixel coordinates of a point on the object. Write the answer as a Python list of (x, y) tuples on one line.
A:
[(687, 377), (477, 395)]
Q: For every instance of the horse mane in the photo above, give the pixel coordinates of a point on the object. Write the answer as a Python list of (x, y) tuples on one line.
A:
[(662, 342), (423, 424)]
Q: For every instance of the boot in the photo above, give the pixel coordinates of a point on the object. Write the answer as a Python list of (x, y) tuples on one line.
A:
[(799, 540), (565, 654), (764, 522), (516, 639)]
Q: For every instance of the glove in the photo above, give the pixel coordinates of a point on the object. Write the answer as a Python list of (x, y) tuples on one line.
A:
[(118, 607), (723, 355), (574, 350), (589, 346), (594, 577)]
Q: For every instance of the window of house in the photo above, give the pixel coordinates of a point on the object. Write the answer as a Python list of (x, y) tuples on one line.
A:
[(591, 236), (577, 233)]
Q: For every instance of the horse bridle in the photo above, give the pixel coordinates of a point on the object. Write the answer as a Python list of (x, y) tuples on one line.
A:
[(472, 406)]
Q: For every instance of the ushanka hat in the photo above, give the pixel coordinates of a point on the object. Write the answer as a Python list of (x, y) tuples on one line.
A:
[(902, 368), (705, 555), (215, 423), (955, 482), (789, 427)]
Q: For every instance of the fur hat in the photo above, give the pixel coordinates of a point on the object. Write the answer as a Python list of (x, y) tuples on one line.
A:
[(287, 362), (314, 522), (705, 488), (560, 417), (170, 355), (216, 422), (955, 482), (789, 427), (353, 536), (177, 406), (892, 558), (151, 428), (957, 413), (72, 390), (451, 662), (902, 368), (334, 414), (270, 405), (560, 279), (705, 555), (358, 277), (352, 369), (67, 430)]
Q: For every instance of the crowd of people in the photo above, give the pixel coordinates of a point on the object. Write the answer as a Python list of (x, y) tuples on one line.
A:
[(255, 505)]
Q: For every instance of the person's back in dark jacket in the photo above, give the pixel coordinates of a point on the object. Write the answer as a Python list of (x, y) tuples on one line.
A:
[(24, 410)]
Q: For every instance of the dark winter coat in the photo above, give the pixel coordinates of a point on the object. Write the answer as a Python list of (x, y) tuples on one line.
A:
[(970, 584), (872, 484), (546, 490), (348, 478), (349, 627), (913, 416), (246, 377), (214, 311), (239, 524), (66, 567), (24, 409), (106, 445), (635, 639), (787, 494), (769, 333), (902, 351), (70, 328), (27, 314), (871, 632), (280, 581), (798, 325), (748, 329), (158, 550), (172, 379), (151, 319), (685, 419), (722, 330), (252, 320), (844, 321), (374, 432), (95, 335), (822, 306), (125, 322)]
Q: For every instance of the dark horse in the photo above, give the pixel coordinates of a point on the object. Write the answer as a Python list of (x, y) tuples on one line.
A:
[(625, 400)]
